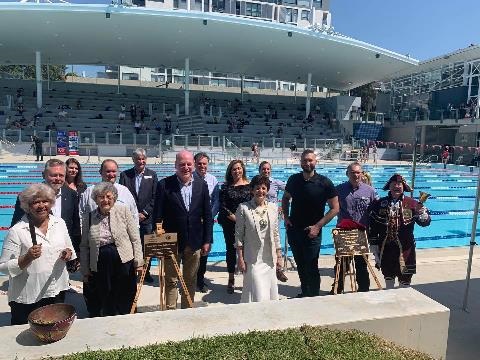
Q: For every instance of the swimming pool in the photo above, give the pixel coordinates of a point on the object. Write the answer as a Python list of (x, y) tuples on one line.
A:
[(451, 202)]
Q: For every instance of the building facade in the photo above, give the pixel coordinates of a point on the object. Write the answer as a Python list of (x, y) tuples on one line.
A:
[(303, 13)]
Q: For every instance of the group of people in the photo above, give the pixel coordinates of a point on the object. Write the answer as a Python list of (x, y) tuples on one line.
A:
[(62, 225)]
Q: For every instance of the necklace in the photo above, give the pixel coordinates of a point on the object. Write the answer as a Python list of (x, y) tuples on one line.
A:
[(261, 213)]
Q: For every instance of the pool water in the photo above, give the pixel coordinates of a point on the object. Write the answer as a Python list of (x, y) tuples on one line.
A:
[(451, 203)]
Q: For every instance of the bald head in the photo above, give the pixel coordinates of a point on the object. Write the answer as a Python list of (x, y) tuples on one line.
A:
[(184, 165)]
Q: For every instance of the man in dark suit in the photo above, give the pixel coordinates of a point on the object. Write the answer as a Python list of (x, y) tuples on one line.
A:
[(142, 183), (182, 203), (66, 204)]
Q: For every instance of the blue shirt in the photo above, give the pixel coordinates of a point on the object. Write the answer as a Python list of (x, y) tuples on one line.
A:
[(275, 187), (213, 191), (186, 191), (138, 181), (355, 202)]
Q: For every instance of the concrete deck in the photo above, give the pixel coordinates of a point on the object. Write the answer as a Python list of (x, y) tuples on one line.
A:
[(440, 276), (390, 314)]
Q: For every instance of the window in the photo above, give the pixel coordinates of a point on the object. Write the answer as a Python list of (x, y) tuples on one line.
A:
[(291, 15), (251, 84), (253, 9), (218, 5), (305, 14), (130, 76), (158, 78), (218, 82)]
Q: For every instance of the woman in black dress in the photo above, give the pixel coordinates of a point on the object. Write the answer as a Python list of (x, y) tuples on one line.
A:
[(233, 192), (73, 177)]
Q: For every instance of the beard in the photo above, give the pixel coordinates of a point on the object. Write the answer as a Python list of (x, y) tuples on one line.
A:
[(308, 168)]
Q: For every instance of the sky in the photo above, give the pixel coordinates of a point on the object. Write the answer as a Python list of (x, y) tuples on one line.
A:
[(421, 28)]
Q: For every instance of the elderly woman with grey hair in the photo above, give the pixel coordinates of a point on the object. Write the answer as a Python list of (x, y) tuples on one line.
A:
[(34, 255), (110, 254)]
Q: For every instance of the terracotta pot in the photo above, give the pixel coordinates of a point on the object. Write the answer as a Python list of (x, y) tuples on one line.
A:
[(51, 323)]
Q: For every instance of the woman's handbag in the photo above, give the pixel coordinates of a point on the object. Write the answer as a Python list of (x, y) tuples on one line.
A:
[(281, 275)]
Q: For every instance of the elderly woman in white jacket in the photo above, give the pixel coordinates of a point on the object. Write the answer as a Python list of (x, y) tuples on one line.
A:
[(110, 254), (258, 243)]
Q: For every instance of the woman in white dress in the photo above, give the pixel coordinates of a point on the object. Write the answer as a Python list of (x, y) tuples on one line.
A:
[(258, 243)]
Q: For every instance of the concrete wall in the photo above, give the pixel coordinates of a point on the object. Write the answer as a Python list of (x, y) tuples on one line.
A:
[(342, 105), (399, 134), (403, 316)]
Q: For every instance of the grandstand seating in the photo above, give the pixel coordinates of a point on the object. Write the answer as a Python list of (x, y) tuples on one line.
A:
[(97, 100)]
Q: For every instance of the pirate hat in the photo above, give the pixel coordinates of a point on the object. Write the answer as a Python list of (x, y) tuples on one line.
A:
[(397, 177)]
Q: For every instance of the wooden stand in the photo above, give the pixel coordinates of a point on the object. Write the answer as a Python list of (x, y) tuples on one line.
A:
[(348, 244), (161, 246)]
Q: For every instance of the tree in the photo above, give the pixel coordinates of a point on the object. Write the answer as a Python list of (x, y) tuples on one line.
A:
[(27, 72), (368, 95), (72, 74)]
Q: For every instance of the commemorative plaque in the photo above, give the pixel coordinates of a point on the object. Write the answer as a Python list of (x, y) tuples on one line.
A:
[(350, 242), (160, 246)]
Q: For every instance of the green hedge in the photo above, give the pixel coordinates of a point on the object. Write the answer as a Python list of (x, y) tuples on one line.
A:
[(302, 343)]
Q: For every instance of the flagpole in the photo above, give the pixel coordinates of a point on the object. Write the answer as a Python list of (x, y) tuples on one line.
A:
[(414, 165), (472, 245)]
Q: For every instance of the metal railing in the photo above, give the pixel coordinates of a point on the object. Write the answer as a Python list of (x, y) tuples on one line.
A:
[(233, 146), (427, 159)]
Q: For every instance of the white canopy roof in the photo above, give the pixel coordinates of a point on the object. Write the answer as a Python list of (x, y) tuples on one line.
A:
[(82, 34)]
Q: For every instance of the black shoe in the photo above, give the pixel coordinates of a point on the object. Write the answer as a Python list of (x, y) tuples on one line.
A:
[(231, 286), (202, 289), (149, 278)]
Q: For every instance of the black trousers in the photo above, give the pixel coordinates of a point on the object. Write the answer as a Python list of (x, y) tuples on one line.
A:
[(202, 269), (229, 235), (145, 229), (305, 252), (361, 270), (39, 153), (111, 289), (20, 311)]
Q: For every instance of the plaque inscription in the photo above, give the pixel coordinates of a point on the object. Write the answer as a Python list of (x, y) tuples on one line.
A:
[(350, 242), (158, 246)]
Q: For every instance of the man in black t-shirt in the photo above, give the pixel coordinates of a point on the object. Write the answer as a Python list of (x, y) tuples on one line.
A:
[(309, 192)]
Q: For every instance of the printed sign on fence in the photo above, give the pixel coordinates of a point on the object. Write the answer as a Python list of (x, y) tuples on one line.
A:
[(62, 143), (73, 142)]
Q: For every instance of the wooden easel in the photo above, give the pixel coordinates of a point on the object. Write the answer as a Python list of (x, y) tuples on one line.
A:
[(161, 246), (348, 244)]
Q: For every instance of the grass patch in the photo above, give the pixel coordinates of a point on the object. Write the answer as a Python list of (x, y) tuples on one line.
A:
[(302, 343)]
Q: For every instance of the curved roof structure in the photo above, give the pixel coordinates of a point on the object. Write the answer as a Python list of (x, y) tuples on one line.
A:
[(135, 36)]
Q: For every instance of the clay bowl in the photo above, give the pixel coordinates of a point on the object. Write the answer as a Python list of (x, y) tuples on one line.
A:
[(51, 323)]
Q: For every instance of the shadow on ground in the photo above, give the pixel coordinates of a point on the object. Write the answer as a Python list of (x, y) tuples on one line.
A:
[(464, 329)]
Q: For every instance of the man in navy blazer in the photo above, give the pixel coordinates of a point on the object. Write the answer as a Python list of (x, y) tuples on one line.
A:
[(182, 203), (66, 203), (142, 183)]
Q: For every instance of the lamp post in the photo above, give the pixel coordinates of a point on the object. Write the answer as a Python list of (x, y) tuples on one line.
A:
[(472, 237), (472, 245), (414, 154)]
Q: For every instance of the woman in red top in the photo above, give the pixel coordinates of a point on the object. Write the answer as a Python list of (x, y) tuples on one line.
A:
[(445, 157)]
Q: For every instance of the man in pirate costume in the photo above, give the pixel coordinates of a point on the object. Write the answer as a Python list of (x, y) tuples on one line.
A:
[(392, 219)]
